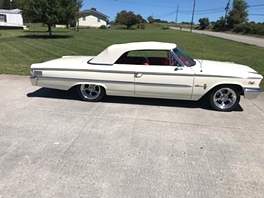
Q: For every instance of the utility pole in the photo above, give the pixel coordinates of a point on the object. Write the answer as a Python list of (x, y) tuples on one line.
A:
[(192, 15), (10, 5), (227, 8), (177, 14)]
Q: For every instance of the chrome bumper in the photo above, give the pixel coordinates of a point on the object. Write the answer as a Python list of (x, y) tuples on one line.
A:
[(34, 80), (251, 93)]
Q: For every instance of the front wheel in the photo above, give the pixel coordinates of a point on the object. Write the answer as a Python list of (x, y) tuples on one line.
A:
[(224, 98), (91, 92)]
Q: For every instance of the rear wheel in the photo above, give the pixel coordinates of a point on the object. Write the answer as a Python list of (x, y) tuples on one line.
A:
[(91, 92), (224, 98)]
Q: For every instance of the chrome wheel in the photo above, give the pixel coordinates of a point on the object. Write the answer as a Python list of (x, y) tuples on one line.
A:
[(224, 98), (91, 92)]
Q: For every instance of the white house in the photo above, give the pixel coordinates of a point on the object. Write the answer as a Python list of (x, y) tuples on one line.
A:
[(92, 18), (11, 19)]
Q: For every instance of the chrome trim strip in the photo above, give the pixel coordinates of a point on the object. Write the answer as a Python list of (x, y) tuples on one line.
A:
[(218, 76), (112, 71), (84, 70), (119, 82), (163, 85), (90, 80), (166, 74), (145, 73), (103, 64)]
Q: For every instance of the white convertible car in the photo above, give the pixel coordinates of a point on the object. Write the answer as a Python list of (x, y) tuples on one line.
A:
[(149, 69)]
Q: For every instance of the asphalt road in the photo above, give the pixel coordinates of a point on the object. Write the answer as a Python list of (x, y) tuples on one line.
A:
[(54, 145), (234, 37)]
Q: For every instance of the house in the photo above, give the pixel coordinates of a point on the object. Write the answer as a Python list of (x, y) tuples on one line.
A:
[(92, 18), (11, 19)]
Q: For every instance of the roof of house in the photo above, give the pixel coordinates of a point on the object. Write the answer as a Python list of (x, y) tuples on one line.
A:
[(93, 11), (14, 11)]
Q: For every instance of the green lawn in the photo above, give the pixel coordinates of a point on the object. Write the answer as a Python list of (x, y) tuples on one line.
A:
[(19, 49)]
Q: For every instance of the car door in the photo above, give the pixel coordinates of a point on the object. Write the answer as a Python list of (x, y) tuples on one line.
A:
[(174, 82)]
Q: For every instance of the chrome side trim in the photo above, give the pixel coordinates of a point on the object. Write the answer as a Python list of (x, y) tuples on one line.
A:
[(166, 74), (90, 80), (163, 85), (251, 93), (111, 71), (118, 82), (218, 76), (100, 64), (145, 73), (85, 70)]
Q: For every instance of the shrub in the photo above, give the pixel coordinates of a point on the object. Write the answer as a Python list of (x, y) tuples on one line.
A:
[(141, 26), (102, 27), (165, 27)]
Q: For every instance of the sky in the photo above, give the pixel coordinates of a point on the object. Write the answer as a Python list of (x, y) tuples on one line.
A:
[(167, 9)]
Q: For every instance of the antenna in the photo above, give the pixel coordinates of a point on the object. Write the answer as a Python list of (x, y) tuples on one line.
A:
[(202, 58)]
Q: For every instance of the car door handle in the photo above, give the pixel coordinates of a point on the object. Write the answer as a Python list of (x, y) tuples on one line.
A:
[(178, 68), (138, 75)]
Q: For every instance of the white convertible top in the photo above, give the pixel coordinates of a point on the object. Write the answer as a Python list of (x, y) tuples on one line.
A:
[(113, 52)]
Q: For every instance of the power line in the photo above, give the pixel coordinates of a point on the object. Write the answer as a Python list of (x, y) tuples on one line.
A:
[(256, 14), (252, 6)]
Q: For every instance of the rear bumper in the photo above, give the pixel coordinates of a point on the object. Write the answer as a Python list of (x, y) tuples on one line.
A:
[(34, 80), (251, 93)]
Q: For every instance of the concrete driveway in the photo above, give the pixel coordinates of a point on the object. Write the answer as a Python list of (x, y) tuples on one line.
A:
[(54, 145)]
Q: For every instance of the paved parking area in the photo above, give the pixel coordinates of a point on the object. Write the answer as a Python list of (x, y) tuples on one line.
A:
[(54, 145)]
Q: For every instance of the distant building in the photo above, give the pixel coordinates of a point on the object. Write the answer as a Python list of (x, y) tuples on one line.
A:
[(92, 18), (11, 19)]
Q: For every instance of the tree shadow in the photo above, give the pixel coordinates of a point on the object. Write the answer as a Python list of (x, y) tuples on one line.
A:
[(45, 36), (72, 95), (125, 28)]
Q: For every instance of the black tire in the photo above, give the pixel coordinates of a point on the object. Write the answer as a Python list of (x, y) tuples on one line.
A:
[(224, 98), (91, 92)]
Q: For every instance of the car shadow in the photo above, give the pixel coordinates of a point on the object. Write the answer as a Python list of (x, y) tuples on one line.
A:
[(72, 95)]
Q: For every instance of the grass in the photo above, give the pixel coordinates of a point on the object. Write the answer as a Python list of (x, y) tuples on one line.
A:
[(19, 49)]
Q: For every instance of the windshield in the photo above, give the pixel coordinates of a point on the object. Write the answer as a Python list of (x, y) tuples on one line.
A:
[(186, 60)]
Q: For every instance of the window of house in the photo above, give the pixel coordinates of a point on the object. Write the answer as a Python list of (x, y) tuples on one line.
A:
[(98, 20), (2, 18), (84, 18)]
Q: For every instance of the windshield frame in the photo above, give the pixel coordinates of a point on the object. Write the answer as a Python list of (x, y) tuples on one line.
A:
[(183, 58)]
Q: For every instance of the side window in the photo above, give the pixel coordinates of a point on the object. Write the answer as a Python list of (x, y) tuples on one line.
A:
[(2, 18), (145, 57)]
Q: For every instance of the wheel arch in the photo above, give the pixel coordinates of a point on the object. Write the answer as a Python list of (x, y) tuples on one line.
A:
[(237, 86), (81, 83)]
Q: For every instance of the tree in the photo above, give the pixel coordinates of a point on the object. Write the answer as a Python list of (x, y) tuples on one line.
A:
[(8, 5), (50, 12), (128, 18), (204, 23), (150, 19), (238, 14), (219, 25)]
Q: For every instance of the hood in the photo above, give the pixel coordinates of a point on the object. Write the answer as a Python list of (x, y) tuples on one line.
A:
[(224, 69), (63, 62)]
